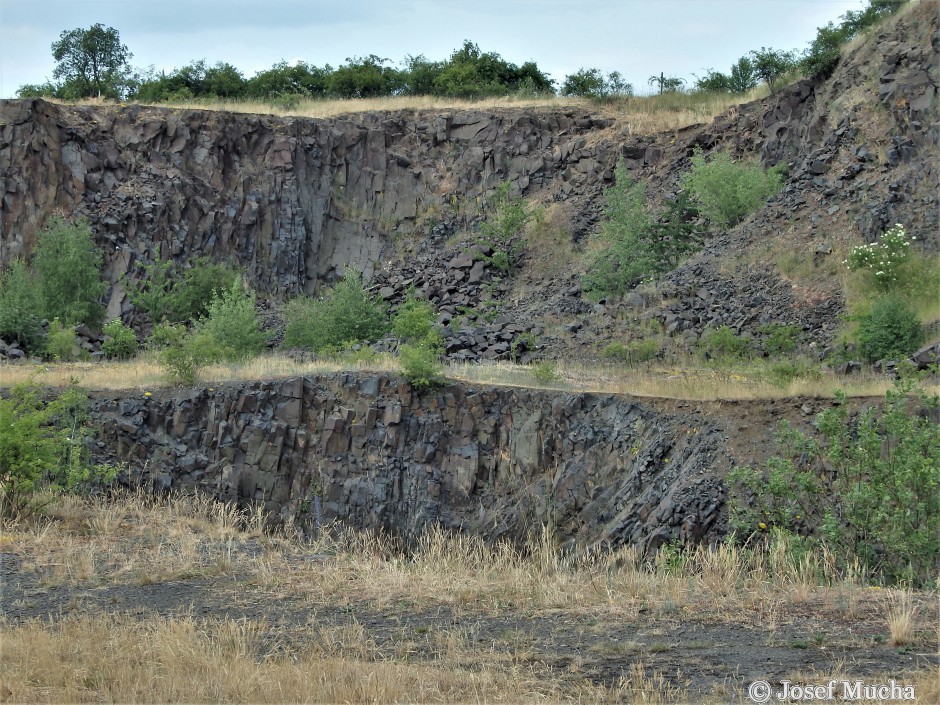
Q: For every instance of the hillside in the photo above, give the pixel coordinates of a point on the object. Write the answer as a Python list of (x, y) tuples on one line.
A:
[(398, 196), (654, 495)]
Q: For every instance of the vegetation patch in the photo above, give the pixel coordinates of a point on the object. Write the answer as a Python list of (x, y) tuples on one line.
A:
[(727, 190), (866, 488)]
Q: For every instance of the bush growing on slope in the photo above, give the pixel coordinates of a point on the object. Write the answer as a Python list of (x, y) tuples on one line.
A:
[(180, 296), (890, 330), (729, 191), (867, 487), (21, 307), (421, 348), (120, 341), (42, 445), (231, 331), (68, 272), (343, 316), (633, 245)]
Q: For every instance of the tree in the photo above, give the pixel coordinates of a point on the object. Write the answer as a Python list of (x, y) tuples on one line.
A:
[(585, 83), (591, 83), (91, 62), (772, 64), (419, 74), (68, 269), (364, 77), (741, 80), (742, 77), (713, 82), (667, 84)]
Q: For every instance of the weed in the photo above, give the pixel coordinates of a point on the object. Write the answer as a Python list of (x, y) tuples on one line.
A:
[(120, 341)]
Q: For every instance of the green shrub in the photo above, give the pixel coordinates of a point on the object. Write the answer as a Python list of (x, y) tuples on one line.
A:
[(722, 343), (867, 487), (182, 363), (420, 364), (779, 339), (637, 351), (345, 315), (619, 262), (120, 341), (166, 334), (591, 83), (825, 51), (615, 351), (180, 296), (633, 245), (419, 355), (414, 319), (781, 373), (231, 330), (503, 229), (68, 269), (152, 293), (198, 286), (42, 446), (883, 261), (21, 308), (60, 342), (890, 330), (728, 190), (544, 372)]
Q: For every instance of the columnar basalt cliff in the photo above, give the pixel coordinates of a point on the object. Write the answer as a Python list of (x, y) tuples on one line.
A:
[(368, 451), (291, 200), (295, 201)]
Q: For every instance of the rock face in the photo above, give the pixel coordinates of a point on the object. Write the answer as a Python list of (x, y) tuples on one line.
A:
[(292, 200), (370, 452), (295, 201)]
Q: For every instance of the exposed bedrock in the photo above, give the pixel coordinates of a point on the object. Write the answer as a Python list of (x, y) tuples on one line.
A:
[(369, 452), (291, 199)]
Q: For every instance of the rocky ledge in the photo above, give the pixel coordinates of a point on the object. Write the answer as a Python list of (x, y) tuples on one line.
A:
[(370, 452)]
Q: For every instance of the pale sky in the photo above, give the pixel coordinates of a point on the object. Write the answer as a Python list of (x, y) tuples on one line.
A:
[(639, 38)]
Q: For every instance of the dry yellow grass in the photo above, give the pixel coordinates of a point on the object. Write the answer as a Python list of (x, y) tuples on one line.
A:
[(146, 372), (123, 658), (657, 381), (687, 383), (141, 540), (102, 658), (635, 115)]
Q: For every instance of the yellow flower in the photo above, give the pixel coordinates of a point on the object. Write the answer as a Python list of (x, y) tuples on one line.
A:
[(147, 394), (762, 526), (211, 389)]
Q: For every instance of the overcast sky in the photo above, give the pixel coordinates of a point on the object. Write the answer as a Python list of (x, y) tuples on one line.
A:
[(636, 37)]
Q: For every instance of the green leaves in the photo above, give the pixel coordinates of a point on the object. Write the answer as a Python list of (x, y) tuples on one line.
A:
[(867, 486), (67, 264), (91, 62), (633, 245), (21, 307), (729, 190), (503, 229), (180, 295), (231, 331), (890, 330), (42, 445), (344, 316)]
